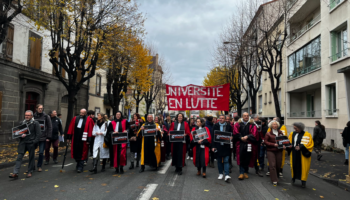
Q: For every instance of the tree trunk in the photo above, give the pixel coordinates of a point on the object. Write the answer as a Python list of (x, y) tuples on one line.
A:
[(137, 107), (277, 105), (253, 103), (148, 105), (70, 113)]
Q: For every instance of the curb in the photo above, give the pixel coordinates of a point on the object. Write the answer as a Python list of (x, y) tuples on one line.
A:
[(335, 182), (11, 164)]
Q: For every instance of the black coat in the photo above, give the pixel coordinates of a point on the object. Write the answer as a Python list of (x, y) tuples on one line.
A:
[(32, 139), (48, 127), (318, 133), (346, 136), (56, 127), (222, 150)]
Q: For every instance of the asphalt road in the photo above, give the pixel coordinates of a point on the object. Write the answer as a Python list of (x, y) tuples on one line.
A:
[(164, 184)]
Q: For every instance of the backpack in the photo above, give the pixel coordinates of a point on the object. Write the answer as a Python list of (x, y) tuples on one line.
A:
[(323, 134)]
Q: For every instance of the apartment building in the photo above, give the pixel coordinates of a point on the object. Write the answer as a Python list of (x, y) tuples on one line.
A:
[(26, 77), (318, 78)]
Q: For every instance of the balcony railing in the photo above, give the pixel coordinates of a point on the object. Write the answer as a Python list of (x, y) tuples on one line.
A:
[(339, 55), (304, 70), (304, 29), (334, 3), (331, 113), (306, 114)]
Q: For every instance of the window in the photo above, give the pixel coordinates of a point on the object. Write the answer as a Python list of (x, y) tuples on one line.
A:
[(331, 99), (339, 40), (265, 98), (98, 85), (31, 101), (310, 105), (260, 104), (6, 47), (270, 95), (97, 110), (34, 51), (279, 93), (108, 112), (334, 3), (305, 60), (260, 87)]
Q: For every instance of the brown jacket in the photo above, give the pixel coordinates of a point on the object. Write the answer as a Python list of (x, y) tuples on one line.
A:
[(270, 141)]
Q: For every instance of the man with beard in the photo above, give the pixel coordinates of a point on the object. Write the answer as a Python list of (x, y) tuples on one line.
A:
[(246, 136), (150, 152), (27, 143), (80, 133)]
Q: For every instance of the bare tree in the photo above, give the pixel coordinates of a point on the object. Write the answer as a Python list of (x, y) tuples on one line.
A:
[(9, 9)]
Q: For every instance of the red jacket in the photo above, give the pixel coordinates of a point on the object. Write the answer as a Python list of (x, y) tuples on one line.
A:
[(270, 141)]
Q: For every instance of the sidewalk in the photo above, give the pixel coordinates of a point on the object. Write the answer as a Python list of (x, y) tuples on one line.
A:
[(8, 154), (330, 168)]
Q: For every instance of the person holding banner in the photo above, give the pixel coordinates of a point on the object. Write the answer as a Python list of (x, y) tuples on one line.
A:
[(222, 149), (46, 132), (300, 153), (80, 133), (27, 143), (135, 142), (274, 154), (246, 135), (201, 148), (150, 152), (178, 149), (117, 152), (99, 132)]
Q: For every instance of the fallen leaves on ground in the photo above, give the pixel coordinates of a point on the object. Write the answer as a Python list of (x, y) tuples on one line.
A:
[(313, 188), (104, 184), (56, 186), (206, 190), (321, 197), (91, 178), (81, 188), (107, 191)]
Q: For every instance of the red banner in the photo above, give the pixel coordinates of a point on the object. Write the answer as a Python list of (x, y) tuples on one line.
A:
[(194, 97)]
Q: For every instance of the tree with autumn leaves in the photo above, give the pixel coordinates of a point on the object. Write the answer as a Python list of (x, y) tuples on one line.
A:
[(80, 31)]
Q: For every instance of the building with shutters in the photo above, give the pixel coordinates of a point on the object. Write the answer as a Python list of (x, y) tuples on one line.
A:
[(318, 72), (26, 78)]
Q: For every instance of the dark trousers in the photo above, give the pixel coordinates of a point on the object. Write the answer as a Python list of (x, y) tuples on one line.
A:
[(204, 169), (47, 149), (80, 165), (41, 153), (212, 156), (31, 165), (275, 162), (262, 157)]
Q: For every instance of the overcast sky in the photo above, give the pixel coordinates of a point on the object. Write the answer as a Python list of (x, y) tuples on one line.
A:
[(184, 32)]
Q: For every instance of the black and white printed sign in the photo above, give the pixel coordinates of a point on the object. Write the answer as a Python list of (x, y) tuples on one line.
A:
[(222, 137), (42, 124), (120, 138), (176, 136), (18, 131), (282, 140), (149, 130), (199, 134)]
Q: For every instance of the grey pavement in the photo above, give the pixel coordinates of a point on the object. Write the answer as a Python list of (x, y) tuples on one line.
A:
[(154, 185)]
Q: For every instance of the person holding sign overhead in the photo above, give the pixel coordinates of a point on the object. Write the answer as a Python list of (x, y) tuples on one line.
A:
[(151, 137), (274, 154), (201, 147), (246, 135), (117, 152), (178, 149), (222, 149)]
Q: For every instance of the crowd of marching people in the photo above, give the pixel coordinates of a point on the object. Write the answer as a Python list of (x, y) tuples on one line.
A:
[(252, 139)]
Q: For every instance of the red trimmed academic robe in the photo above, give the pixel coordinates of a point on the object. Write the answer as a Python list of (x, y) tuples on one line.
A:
[(119, 150), (80, 148), (179, 149), (201, 152)]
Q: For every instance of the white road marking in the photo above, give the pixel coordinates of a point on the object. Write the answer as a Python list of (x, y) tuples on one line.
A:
[(146, 193), (165, 167), (172, 181), (61, 165)]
